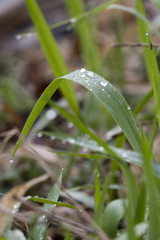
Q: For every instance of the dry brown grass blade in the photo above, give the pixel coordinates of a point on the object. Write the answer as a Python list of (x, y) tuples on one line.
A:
[(11, 198), (7, 136)]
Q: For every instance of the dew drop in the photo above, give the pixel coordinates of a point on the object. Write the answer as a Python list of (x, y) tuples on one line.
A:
[(18, 37), (11, 160), (129, 108), (51, 114), (43, 216), (28, 35), (90, 74), (71, 140), (70, 125), (103, 83), (83, 70), (101, 149), (147, 33), (108, 95), (39, 135), (124, 155), (102, 89), (73, 20), (52, 138), (83, 75)]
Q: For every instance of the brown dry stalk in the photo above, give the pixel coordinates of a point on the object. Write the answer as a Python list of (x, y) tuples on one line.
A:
[(134, 44)]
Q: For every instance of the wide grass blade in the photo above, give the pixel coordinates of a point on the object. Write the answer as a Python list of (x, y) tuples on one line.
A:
[(114, 212), (105, 92), (112, 99), (52, 52)]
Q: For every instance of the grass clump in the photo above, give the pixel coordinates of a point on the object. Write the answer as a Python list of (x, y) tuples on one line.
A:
[(123, 205)]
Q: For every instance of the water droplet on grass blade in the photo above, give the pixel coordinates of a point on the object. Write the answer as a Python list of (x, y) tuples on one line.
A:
[(147, 33), (73, 20), (83, 70), (51, 114), (11, 160), (129, 108), (103, 83), (90, 74), (71, 140), (28, 35), (83, 75), (39, 135), (101, 149), (124, 155), (70, 125), (18, 37), (52, 138)]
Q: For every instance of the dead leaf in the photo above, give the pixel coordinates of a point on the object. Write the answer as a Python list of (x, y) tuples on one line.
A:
[(11, 198)]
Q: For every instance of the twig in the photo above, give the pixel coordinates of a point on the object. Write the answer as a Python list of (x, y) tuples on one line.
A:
[(128, 44)]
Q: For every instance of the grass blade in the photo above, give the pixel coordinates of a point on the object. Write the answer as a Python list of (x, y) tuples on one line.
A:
[(114, 212), (40, 229), (143, 28), (44, 200), (52, 52), (112, 99)]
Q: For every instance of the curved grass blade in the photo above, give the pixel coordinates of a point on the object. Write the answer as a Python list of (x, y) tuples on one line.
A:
[(52, 52), (140, 230), (112, 99), (106, 93), (113, 213), (127, 155), (132, 11), (77, 19)]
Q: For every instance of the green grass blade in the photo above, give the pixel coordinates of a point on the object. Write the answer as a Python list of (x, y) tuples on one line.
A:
[(155, 79), (154, 219), (156, 2), (143, 102), (40, 104), (52, 52), (143, 28), (130, 10), (40, 229), (85, 33), (106, 94), (141, 204), (127, 155), (140, 230), (97, 189), (114, 212), (101, 201), (112, 99), (44, 200)]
